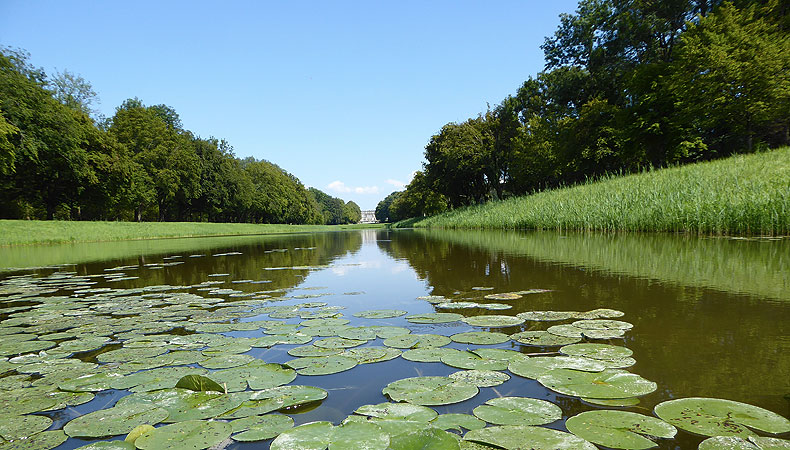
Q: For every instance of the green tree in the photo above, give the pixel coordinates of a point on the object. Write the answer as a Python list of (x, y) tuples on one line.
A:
[(351, 212), (383, 207)]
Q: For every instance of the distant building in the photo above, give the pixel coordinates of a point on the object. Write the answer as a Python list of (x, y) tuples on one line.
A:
[(368, 217)]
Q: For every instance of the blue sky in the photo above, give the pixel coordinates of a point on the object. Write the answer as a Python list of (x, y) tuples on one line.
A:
[(343, 94)]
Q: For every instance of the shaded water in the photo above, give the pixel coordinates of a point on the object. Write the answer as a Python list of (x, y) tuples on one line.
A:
[(711, 316)]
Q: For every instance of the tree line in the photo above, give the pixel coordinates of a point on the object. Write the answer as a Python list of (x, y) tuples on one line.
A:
[(59, 160), (628, 85)]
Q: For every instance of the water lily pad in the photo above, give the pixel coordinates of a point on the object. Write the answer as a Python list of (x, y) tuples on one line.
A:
[(138, 431), (543, 339), (430, 354), (312, 350), (405, 411), (480, 378), (597, 351), (256, 374), (536, 367), (130, 354), (434, 318), (493, 321), (183, 404), (258, 428), (368, 355), (495, 306), (14, 427), (719, 417), (600, 313), (324, 322), (616, 402), (273, 399), (322, 365), (39, 441), (338, 342), (418, 438), (199, 383), (457, 422), (457, 305), (528, 437), (310, 436), (573, 331), (25, 401), (518, 411), (192, 434), (611, 383), (503, 296), (113, 421), (226, 361), (151, 380), (768, 443), (602, 324), (619, 429), (497, 353), (470, 360), (380, 313), (430, 390), (412, 341), (546, 316), (90, 383), (108, 445), (480, 338), (727, 443)]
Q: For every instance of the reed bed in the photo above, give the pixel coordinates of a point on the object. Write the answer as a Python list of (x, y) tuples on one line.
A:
[(740, 195)]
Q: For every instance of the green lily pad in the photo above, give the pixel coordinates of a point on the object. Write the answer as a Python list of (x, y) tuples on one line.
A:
[(768, 443), (535, 367), (113, 421), (258, 428), (457, 422), (310, 436), (480, 338), (257, 374), (611, 383), (493, 321), (528, 437), (273, 399), (412, 341), (90, 383), (338, 342), (322, 365), (603, 324), (226, 361), (503, 296), (419, 437), (108, 445), (600, 313), (430, 390), (368, 355), (457, 305), (14, 427), (312, 350), (497, 353), (719, 417), (136, 432), (231, 348), (543, 339), (183, 404), (130, 354), (518, 411), (324, 322), (359, 435), (616, 402), (434, 318), (151, 380), (380, 314), (480, 378), (199, 383), (404, 411), (619, 429), (470, 360), (494, 306), (430, 354), (39, 441), (192, 434), (546, 316), (727, 443), (597, 351)]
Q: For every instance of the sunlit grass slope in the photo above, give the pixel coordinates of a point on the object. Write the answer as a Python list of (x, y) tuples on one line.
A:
[(745, 194), (14, 232)]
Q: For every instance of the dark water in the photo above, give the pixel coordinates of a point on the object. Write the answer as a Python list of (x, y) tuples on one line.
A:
[(711, 316)]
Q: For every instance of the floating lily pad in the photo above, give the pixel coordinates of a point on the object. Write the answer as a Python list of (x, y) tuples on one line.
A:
[(458, 305), (199, 383), (546, 316), (405, 437), (258, 428), (480, 378), (528, 437), (322, 365), (226, 361), (380, 313), (108, 445), (368, 355), (312, 350), (494, 306), (600, 313), (136, 432), (430, 390), (150, 380), (573, 331), (25, 401), (113, 421), (457, 422), (434, 318), (719, 417), (257, 374), (616, 402), (601, 324), (493, 321), (183, 404), (536, 367), (338, 342), (518, 411), (14, 427), (480, 338), (543, 339), (39, 441), (310, 436), (470, 360), (619, 429), (497, 353), (727, 443), (412, 341), (192, 434), (405, 411), (90, 383), (597, 351), (611, 383), (503, 296), (130, 354), (430, 354)]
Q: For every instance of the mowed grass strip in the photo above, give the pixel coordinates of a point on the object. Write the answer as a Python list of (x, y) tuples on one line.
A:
[(15, 232), (743, 195)]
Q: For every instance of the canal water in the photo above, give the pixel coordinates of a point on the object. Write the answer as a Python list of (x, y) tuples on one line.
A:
[(711, 316)]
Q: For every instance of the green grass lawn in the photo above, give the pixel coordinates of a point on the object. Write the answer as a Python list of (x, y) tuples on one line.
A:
[(14, 232), (744, 195)]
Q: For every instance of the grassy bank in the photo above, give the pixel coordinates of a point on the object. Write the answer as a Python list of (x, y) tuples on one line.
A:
[(16, 232), (745, 194)]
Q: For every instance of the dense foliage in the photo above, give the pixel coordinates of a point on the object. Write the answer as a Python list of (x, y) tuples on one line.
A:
[(628, 85), (57, 161)]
